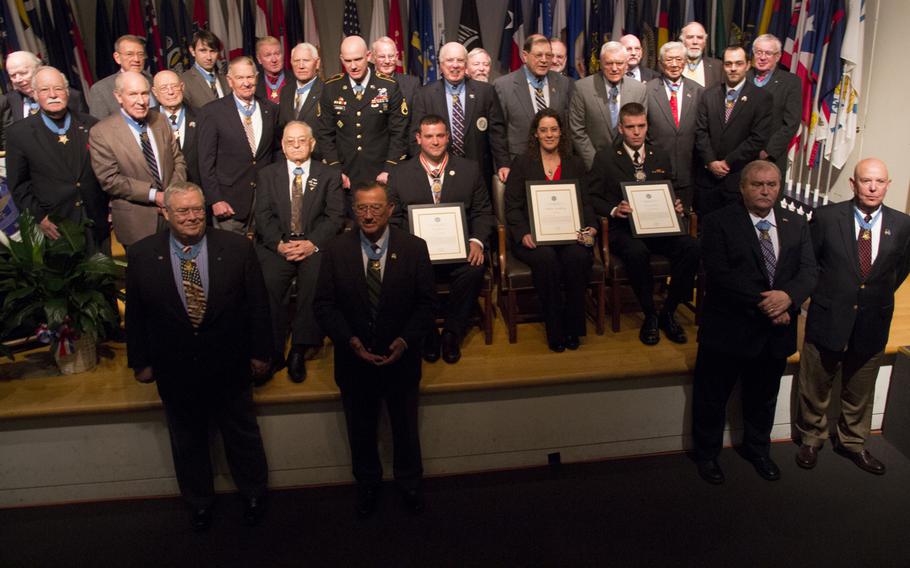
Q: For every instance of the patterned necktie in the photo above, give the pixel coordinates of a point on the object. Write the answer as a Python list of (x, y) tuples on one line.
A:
[(213, 84), (864, 248), (192, 288), (437, 185), (248, 127), (614, 105), (729, 103), (297, 202), (539, 101), (767, 248), (374, 281), (149, 154), (674, 102), (457, 125), (298, 100)]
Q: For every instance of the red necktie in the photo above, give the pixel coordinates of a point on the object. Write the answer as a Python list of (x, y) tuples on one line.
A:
[(864, 248), (674, 103)]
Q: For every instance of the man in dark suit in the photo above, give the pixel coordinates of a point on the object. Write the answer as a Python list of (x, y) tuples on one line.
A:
[(672, 104), (363, 119), (384, 56), (130, 55), (375, 299), (630, 160), (634, 68), (733, 126), (168, 88), (21, 67), (6, 120), (237, 138), (787, 96), (198, 325), (204, 83), (704, 70), (863, 253), (594, 110), (48, 167), (300, 100), (525, 91), (760, 269), (481, 135), (438, 176), (270, 57), (299, 208)]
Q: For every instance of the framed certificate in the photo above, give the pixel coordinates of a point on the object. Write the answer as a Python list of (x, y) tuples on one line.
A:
[(444, 228), (555, 211), (653, 208)]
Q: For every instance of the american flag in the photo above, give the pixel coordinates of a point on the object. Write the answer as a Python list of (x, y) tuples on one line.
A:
[(351, 18)]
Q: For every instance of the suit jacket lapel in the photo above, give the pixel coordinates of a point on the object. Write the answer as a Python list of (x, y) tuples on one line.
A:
[(310, 102), (749, 236), (216, 278), (741, 102), (80, 137), (522, 91), (267, 132), (600, 94), (355, 265), (166, 270), (470, 104), (848, 234), (663, 103), (786, 236), (163, 138), (886, 239), (47, 145)]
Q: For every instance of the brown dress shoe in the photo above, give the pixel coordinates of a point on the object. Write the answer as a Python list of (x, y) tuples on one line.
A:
[(807, 456), (863, 460)]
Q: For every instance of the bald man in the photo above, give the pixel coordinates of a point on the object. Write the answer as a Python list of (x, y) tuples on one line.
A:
[(863, 253), (169, 89), (135, 157), (363, 119), (21, 66), (48, 168), (634, 68)]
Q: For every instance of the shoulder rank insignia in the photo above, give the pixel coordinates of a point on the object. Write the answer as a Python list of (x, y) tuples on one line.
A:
[(334, 78), (384, 76)]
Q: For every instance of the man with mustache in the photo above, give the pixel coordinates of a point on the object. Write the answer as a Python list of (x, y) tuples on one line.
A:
[(22, 101)]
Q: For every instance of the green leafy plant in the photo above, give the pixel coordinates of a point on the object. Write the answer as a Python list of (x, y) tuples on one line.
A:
[(55, 282)]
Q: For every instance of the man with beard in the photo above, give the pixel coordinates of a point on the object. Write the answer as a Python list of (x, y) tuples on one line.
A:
[(706, 71)]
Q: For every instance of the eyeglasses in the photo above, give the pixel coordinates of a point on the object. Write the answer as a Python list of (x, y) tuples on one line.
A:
[(170, 87), (187, 211), (374, 208), (133, 54)]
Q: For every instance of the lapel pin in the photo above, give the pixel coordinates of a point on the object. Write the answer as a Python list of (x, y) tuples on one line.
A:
[(470, 95), (785, 220), (451, 172), (888, 232), (394, 256), (744, 98), (192, 124), (160, 257)]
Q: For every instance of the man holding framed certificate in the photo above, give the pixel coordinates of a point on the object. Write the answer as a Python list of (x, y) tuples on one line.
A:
[(630, 161), (457, 230)]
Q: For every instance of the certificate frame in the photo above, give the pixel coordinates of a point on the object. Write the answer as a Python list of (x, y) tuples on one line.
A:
[(452, 224), (547, 229), (653, 208)]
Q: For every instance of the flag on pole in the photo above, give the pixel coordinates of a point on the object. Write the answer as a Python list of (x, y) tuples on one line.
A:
[(397, 33), (830, 78), (248, 29), (261, 11), (119, 25), (234, 43), (8, 44), (200, 16), (663, 23), (619, 19), (152, 35), (795, 32), (378, 26), (594, 38), (415, 64), (513, 37), (293, 25), (648, 35), (559, 18), (136, 20), (75, 61), (104, 64), (439, 26), (846, 101), (351, 25), (280, 31), (217, 25), (631, 24), (310, 23), (809, 67), (173, 46), (28, 32), (575, 38), (469, 26), (185, 31), (427, 41), (764, 17), (720, 29), (543, 18)]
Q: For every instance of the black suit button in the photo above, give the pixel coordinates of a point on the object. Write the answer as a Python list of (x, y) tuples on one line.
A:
[(78, 184), (862, 286), (252, 184), (855, 306), (78, 203), (254, 162)]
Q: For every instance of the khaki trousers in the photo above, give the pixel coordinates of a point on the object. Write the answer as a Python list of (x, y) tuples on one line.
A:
[(818, 369)]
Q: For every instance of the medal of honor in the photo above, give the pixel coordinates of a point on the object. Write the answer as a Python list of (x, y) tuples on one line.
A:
[(374, 265), (63, 139), (274, 95), (640, 175), (867, 234)]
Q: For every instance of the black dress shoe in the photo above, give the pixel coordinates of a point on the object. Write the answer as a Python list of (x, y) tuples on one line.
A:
[(863, 460), (367, 496), (297, 365), (572, 342), (556, 347), (671, 329), (766, 468), (431, 347), (202, 519), (710, 471), (413, 500), (807, 456), (451, 350), (253, 510), (649, 334)]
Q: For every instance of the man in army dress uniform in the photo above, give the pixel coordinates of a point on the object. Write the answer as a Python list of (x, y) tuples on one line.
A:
[(362, 119)]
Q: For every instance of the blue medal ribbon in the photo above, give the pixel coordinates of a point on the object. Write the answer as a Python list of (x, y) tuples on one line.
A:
[(53, 127), (367, 247), (273, 86), (242, 108), (193, 252), (862, 222), (180, 117)]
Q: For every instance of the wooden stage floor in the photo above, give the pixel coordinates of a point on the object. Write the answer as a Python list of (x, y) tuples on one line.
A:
[(31, 386)]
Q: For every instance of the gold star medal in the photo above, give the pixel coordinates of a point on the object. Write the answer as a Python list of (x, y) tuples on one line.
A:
[(62, 139)]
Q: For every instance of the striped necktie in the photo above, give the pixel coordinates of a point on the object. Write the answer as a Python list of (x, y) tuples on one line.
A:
[(192, 289), (149, 154), (864, 248), (729, 103), (213, 84), (767, 248), (374, 281), (614, 106), (457, 125), (297, 202)]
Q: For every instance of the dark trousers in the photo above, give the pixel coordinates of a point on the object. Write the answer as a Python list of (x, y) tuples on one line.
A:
[(561, 274), (464, 282), (683, 252), (188, 421), (716, 373), (361, 412), (278, 274), (713, 194)]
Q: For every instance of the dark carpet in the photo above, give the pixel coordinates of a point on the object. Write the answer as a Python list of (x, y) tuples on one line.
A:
[(651, 511)]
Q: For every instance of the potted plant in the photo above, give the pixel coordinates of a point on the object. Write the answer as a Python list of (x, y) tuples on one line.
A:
[(57, 286)]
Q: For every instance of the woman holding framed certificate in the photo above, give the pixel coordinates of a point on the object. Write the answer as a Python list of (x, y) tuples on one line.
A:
[(561, 272)]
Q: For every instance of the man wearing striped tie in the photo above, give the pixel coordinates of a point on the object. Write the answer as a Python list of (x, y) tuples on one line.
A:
[(760, 269), (198, 326)]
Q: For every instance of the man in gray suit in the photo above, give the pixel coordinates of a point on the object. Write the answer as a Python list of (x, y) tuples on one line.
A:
[(594, 111), (527, 90), (135, 156), (672, 111), (129, 53), (203, 82)]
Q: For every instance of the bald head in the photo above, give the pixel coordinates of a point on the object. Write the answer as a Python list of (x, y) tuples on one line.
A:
[(354, 54), (131, 89), (870, 183), (633, 48), (168, 89), (385, 55), (21, 66), (453, 60)]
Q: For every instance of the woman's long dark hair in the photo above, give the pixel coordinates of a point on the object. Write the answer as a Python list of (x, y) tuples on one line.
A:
[(564, 147)]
